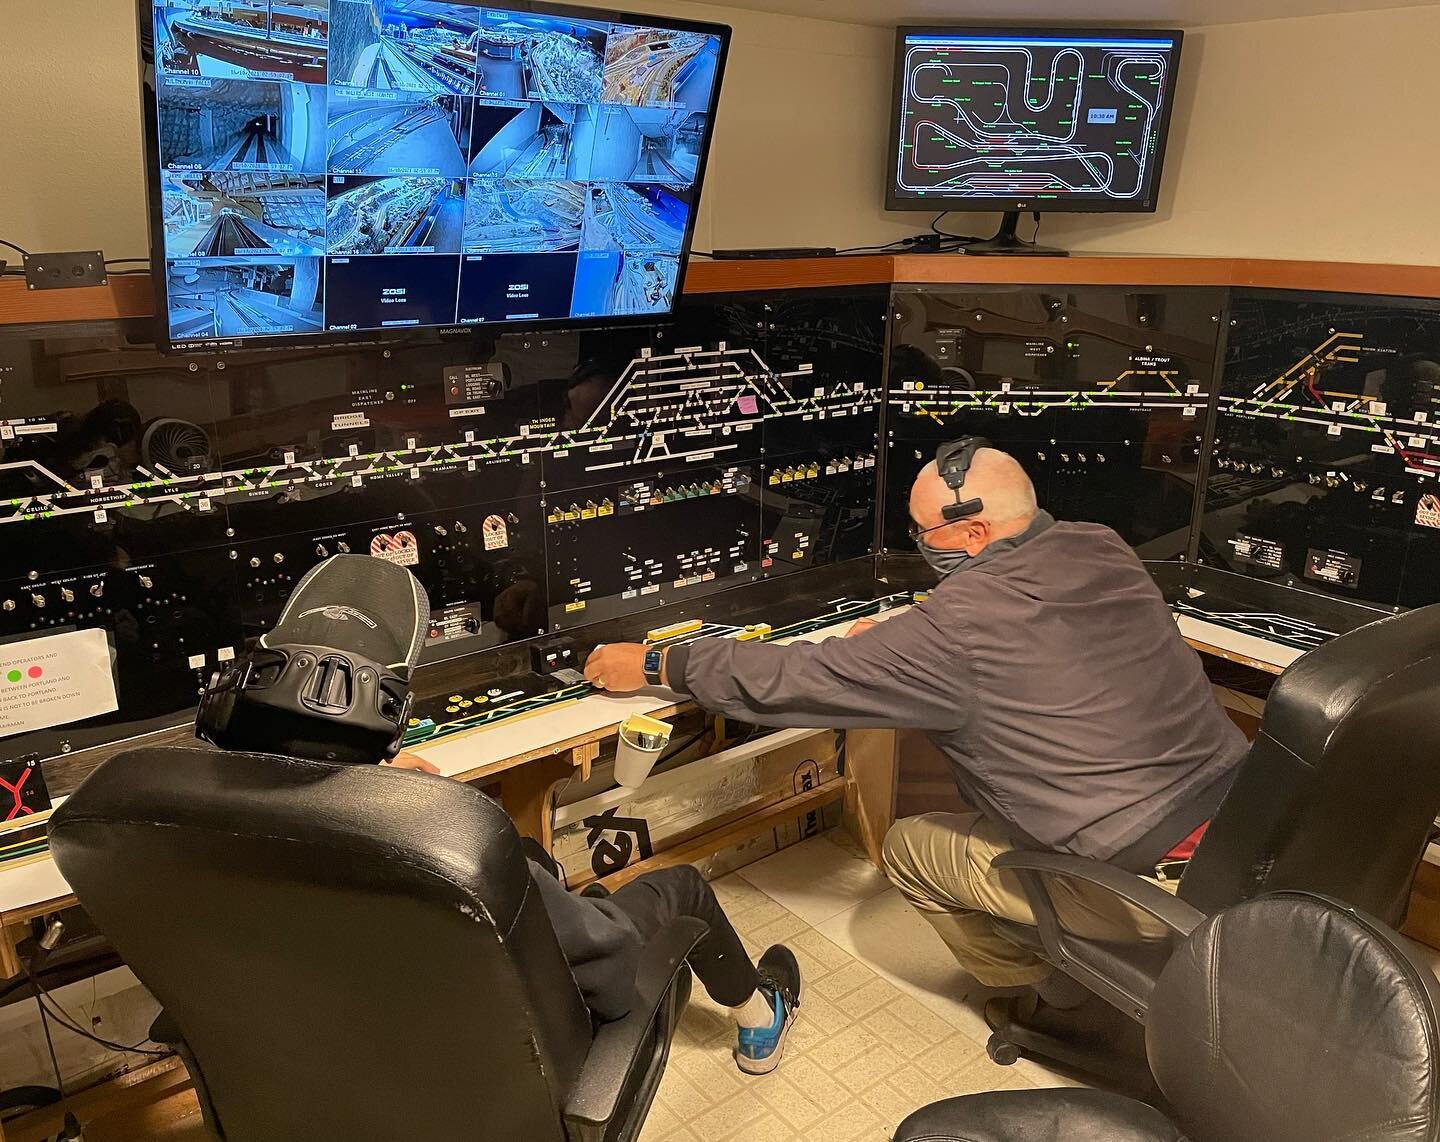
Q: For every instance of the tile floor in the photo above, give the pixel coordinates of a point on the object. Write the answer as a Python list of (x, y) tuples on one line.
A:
[(880, 1032)]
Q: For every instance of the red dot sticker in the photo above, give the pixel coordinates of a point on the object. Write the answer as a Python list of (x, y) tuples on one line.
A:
[(35, 672)]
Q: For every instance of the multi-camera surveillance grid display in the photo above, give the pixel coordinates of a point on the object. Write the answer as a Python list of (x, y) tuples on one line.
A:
[(1030, 118), (340, 167)]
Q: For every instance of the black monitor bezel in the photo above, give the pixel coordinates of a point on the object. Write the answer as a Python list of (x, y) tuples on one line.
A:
[(894, 200), (154, 174)]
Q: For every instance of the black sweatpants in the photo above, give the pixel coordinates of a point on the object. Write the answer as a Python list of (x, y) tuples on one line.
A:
[(719, 961), (602, 937)]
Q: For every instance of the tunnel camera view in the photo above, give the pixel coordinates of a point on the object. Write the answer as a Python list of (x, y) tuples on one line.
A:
[(223, 214), (243, 39), (646, 144), (241, 125), (528, 56), (394, 215), (239, 297), (530, 140), (344, 165), (409, 45), (393, 132), (508, 216)]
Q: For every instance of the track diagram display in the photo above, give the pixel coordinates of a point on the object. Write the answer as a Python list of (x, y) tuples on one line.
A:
[(532, 482), (1101, 394), (1040, 120), (332, 167), (1326, 465)]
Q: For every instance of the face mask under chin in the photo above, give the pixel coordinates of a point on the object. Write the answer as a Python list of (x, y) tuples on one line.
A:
[(942, 561)]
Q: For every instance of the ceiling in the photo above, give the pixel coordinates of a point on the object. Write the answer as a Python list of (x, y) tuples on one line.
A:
[(1181, 13)]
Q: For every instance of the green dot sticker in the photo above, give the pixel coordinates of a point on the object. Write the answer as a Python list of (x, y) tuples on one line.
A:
[(13, 676)]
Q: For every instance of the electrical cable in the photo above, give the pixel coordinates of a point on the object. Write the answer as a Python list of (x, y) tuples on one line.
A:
[(18, 249), (963, 239), (50, 1046), (62, 1017), (1036, 232)]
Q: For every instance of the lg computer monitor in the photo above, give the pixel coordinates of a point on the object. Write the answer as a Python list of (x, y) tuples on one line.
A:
[(1030, 119), (357, 169)]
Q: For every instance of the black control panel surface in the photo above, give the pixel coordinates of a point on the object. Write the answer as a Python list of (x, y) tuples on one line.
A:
[(1325, 473), (532, 482), (1102, 394)]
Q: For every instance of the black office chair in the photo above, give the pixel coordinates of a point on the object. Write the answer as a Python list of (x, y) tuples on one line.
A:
[(1337, 795), (356, 954), (1285, 1019)]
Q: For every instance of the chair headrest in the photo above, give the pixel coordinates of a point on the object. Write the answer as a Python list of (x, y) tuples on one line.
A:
[(1321, 689), (1295, 1019)]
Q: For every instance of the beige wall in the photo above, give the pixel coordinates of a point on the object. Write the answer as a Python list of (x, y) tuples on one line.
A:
[(1305, 138), (1255, 167), (795, 160)]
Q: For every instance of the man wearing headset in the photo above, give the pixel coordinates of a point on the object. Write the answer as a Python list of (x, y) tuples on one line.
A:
[(1046, 666)]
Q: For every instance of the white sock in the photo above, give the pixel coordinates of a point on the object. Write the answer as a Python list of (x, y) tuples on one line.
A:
[(757, 1011)]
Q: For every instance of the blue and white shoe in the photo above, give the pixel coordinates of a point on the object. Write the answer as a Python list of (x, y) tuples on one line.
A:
[(760, 1048)]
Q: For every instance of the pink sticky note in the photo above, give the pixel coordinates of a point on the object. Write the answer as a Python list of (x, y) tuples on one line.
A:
[(748, 405)]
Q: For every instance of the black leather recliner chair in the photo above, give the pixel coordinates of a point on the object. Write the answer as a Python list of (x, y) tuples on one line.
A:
[(1337, 795), (1285, 1019), (356, 954)]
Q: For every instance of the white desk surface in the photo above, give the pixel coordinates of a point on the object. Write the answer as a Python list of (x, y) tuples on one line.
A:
[(1237, 642), (33, 883)]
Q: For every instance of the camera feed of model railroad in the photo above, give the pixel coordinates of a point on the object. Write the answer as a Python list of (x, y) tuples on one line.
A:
[(336, 166)]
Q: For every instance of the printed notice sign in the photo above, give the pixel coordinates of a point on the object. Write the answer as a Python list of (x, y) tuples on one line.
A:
[(55, 680)]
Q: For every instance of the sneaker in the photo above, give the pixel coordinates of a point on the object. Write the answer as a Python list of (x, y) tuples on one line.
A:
[(760, 1048)]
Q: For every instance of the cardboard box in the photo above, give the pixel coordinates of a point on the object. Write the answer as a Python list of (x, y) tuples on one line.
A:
[(604, 833)]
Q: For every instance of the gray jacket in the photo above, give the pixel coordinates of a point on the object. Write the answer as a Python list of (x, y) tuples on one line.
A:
[(1050, 672)]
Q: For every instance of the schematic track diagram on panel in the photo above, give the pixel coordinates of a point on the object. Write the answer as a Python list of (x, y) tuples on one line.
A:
[(1038, 119)]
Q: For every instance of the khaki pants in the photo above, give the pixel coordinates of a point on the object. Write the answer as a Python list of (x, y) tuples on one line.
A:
[(941, 863)]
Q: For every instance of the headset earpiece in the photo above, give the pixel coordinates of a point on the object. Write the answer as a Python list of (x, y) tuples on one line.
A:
[(953, 461)]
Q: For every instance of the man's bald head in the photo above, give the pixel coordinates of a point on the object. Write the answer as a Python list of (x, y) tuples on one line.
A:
[(997, 480)]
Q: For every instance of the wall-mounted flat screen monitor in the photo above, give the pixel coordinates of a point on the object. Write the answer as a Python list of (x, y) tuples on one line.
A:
[(348, 169), (1030, 118)]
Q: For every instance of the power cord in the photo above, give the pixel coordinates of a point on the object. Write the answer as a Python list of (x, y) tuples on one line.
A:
[(963, 239), (62, 1017), (21, 250)]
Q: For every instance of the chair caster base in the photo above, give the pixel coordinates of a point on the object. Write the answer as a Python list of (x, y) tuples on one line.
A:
[(1094, 1042), (1002, 1052)]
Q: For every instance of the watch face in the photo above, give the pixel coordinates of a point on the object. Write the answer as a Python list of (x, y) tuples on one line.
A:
[(652, 662)]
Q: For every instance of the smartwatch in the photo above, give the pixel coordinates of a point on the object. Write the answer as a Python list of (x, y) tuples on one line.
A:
[(653, 661)]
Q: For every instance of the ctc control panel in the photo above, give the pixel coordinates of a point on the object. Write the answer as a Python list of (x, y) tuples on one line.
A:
[(531, 482)]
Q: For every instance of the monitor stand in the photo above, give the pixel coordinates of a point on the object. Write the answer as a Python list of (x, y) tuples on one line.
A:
[(1007, 241)]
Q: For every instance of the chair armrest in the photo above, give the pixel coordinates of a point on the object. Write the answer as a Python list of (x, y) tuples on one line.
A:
[(618, 1047), (1175, 914)]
